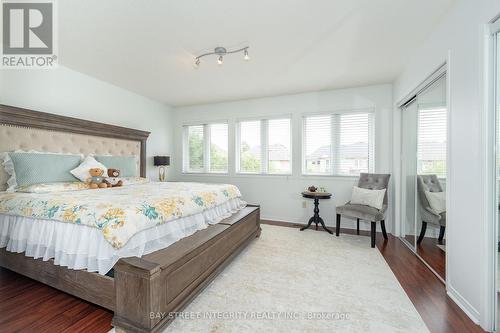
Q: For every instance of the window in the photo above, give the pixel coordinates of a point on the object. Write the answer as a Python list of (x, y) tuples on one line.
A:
[(264, 146), (206, 148), (338, 144), (431, 151)]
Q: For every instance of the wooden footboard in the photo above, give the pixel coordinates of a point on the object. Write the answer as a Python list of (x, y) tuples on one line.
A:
[(151, 288), (145, 291)]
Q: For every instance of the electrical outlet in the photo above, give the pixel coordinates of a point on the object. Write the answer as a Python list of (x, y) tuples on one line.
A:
[(304, 204)]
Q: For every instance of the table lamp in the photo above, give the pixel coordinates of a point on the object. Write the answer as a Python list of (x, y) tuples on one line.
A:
[(162, 162)]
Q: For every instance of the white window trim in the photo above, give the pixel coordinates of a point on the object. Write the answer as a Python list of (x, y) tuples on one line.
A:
[(334, 132), (206, 148), (264, 145)]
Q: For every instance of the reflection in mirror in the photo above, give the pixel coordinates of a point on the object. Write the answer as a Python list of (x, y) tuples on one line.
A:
[(409, 170), (431, 175), (431, 179), (423, 172)]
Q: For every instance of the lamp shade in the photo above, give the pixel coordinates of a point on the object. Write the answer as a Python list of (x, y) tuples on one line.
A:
[(161, 160)]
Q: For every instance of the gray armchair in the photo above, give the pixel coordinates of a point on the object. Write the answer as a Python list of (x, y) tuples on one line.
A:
[(370, 181), (429, 183)]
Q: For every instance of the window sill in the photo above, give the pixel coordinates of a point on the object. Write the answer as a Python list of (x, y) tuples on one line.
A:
[(330, 177), (205, 173), (307, 175), (263, 174)]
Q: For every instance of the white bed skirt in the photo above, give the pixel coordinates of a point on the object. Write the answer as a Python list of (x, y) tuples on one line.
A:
[(84, 247)]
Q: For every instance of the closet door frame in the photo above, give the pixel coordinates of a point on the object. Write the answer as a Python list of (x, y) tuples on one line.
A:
[(492, 98)]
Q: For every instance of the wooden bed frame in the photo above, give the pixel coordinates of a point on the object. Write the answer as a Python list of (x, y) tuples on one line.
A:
[(145, 292)]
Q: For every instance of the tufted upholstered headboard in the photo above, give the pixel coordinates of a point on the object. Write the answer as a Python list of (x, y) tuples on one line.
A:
[(22, 129)]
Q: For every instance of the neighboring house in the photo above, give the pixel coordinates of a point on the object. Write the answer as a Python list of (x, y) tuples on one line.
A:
[(353, 159), (279, 157)]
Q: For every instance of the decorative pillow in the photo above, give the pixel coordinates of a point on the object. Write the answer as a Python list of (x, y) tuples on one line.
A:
[(372, 198), (82, 171), (27, 168), (126, 164), (437, 201), (53, 187)]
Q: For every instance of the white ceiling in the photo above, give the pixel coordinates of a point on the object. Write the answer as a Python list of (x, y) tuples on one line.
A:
[(295, 45)]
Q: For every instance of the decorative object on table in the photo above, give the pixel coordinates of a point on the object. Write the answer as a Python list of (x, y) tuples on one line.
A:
[(161, 162), (312, 188), (316, 218), (432, 205), (361, 207), (112, 179), (96, 178), (322, 189)]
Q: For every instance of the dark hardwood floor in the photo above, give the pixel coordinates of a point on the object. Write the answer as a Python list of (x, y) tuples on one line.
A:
[(433, 255), (29, 306)]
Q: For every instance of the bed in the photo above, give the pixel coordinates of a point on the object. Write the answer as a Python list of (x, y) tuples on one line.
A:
[(157, 245)]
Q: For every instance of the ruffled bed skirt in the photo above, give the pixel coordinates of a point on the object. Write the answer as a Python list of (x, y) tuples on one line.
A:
[(83, 247)]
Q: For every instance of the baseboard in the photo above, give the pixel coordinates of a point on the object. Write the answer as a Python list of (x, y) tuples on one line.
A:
[(466, 307)]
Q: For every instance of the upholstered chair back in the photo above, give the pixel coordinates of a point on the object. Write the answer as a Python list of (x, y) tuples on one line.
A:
[(374, 181), (427, 183)]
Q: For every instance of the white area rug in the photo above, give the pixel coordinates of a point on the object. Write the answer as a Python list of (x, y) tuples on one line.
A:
[(303, 274)]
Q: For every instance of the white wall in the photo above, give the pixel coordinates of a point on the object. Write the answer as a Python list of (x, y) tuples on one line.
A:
[(70, 93), (279, 196), (461, 36)]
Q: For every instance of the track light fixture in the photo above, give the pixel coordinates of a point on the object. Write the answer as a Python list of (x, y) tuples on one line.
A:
[(221, 52)]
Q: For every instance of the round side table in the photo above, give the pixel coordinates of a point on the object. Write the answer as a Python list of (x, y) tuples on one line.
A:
[(316, 218)]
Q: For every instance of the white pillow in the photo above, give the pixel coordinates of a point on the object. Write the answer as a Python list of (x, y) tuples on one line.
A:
[(82, 171), (372, 198), (437, 201)]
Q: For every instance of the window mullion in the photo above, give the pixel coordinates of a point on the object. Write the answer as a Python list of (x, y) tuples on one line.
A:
[(206, 148), (185, 149), (237, 150), (264, 143), (371, 142), (335, 146)]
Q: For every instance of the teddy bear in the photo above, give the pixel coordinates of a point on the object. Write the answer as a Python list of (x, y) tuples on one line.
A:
[(96, 178), (112, 179)]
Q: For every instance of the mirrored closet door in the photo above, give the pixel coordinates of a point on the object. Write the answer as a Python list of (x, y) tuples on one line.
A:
[(409, 170), (423, 173)]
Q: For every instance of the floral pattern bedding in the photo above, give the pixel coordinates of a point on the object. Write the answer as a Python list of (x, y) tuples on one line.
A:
[(120, 212)]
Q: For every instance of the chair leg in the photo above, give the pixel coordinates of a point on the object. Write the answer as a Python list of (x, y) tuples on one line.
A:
[(357, 227), (441, 234), (382, 225), (337, 228), (373, 233), (422, 232)]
